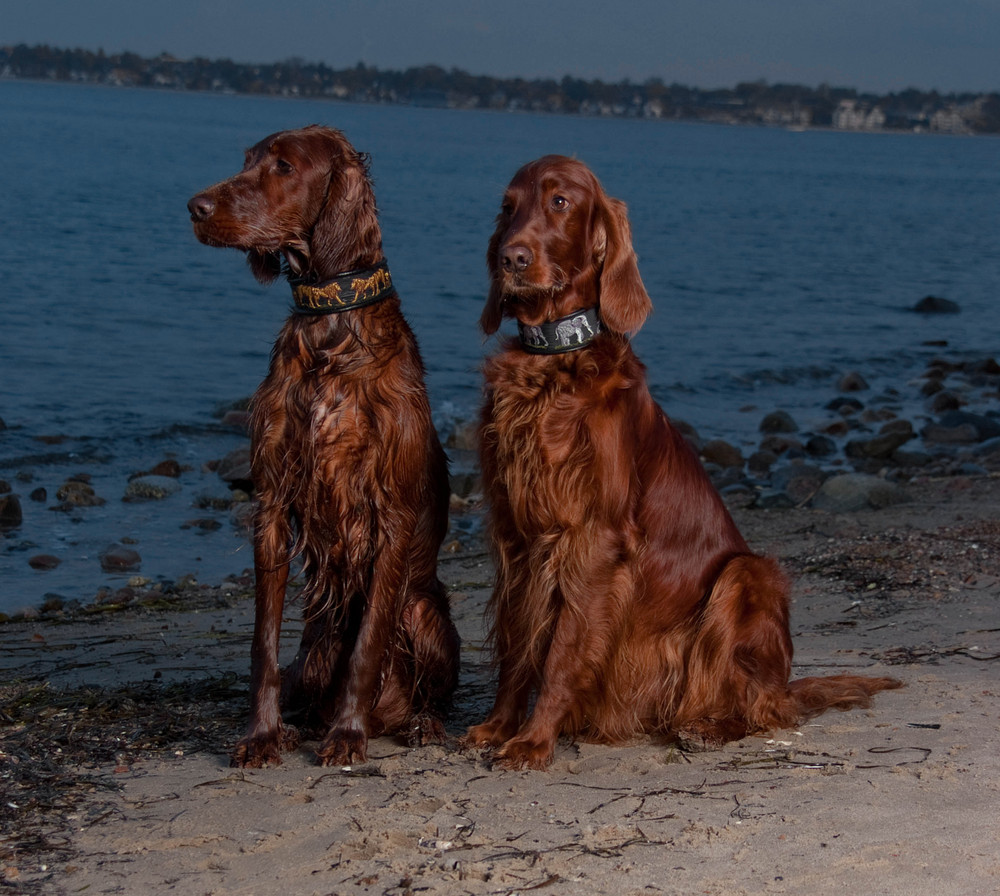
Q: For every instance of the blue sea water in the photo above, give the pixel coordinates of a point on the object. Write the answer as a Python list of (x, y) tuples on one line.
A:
[(776, 260)]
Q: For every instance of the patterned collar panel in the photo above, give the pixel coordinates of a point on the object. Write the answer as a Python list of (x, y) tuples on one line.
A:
[(345, 292), (567, 334)]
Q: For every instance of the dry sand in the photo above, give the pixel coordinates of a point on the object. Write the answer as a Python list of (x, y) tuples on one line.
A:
[(114, 730)]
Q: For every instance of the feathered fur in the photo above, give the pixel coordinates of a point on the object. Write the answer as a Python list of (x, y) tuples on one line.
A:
[(348, 471), (626, 600)]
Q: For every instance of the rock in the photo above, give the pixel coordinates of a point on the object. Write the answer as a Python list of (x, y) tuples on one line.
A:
[(798, 481), (852, 382), (936, 305), (773, 499), (151, 488), (39, 494), (779, 444), (844, 405), (777, 422), (119, 558), (168, 467), (945, 400), (964, 434), (43, 561), (465, 484), (912, 458), (203, 524), (4, 486), (78, 493), (881, 446), (235, 466), (820, 446), (857, 491), (214, 499), (760, 462), (237, 419), (837, 428), (464, 437), (719, 451), (987, 427), (10, 512), (689, 432)]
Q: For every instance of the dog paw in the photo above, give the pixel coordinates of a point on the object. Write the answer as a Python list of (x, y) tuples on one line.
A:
[(257, 751), (343, 746), (423, 730), (489, 734), (709, 734), (522, 754)]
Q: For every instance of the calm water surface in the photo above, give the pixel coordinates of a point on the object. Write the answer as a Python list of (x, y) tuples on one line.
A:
[(776, 261)]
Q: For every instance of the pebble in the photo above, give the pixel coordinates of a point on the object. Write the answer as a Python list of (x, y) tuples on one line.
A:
[(119, 558), (43, 561), (857, 491), (936, 305), (722, 453), (77, 492), (151, 488), (10, 512), (235, 466), (852, 382), (778, 422)]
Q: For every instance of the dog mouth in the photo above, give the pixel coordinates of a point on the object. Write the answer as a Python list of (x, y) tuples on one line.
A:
[(516, 284)]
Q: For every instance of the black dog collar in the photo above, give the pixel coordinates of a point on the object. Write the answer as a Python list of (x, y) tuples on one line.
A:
[(564, 335), (352, 289)]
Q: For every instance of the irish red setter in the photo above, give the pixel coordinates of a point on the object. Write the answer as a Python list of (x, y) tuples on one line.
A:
[(349, 474), (626, 600)]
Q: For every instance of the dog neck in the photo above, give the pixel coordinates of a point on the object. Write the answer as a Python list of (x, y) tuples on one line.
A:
[(567, 334), (344, 292)]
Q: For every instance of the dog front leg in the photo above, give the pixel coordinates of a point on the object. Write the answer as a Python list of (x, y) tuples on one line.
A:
[(347, 739), (265, 736)]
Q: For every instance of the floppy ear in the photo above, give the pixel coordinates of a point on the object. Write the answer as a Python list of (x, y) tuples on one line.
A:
[(624, 302), (492, 314), (347, 222)]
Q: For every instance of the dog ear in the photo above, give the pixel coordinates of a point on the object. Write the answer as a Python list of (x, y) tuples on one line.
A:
[(492, 314), (347, 222), (624, 302), (265, 266)]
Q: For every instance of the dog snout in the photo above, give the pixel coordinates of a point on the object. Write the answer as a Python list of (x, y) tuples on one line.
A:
[(516, 259), (202, 207)]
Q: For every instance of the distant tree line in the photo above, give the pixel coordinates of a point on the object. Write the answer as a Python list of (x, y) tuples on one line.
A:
[(755, 102)]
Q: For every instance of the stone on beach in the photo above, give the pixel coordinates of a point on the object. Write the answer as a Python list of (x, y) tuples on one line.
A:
[(152, 488), (119, 558), (857, 491), (10, 512)]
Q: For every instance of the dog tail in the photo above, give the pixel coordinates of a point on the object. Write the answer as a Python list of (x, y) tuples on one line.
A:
[(843, 692)]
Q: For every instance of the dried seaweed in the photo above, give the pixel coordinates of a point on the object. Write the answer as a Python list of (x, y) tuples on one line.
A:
[(58, 748)]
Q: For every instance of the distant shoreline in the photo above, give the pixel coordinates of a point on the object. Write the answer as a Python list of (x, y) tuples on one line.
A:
[(793, 107)]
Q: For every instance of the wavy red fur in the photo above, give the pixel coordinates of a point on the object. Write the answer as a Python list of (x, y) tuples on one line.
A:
[(626, 601), (347, 467)]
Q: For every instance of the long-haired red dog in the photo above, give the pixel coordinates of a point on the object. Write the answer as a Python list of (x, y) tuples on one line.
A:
[(626, 600), (348, 470)]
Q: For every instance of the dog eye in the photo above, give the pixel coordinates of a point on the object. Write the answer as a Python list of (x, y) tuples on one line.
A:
[(559, 203), (507, 208), (283, 166)]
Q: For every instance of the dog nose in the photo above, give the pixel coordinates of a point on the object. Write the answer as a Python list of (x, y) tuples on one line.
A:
[(201, 207), (516, 259)]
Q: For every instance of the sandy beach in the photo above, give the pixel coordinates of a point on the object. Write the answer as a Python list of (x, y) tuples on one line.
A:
[(115, 727)]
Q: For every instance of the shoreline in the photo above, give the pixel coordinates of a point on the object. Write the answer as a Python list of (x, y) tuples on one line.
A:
[(125, 528), (116, 726)]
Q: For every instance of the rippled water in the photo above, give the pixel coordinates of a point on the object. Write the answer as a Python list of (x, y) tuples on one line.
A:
[(776, 260)]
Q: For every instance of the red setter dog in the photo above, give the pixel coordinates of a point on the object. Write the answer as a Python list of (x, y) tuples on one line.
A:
[(349, 474), (626, 600)]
